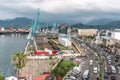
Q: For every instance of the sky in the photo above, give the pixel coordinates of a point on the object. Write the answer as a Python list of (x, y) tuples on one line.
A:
[(61, 11)]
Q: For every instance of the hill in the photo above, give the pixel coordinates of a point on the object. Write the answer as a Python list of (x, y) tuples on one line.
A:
[(100, 21), (83, 26), (109, 25), (20, 22), (114, 24)]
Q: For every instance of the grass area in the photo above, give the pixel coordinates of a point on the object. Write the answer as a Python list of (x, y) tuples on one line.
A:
[(118, 45), (102, 45), (61, 47), (31, 48), (101, 73), (62, 68), (89, 38)]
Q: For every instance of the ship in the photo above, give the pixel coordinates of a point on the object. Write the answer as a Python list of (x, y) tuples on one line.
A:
[(14, 32), (11, 31)]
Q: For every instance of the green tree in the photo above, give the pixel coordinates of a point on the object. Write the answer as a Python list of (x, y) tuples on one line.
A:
[(19, 61), (63, 67), (1, 77)]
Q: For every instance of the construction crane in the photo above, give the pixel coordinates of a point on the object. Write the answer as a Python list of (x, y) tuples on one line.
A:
[(34, 26), (54, 28)]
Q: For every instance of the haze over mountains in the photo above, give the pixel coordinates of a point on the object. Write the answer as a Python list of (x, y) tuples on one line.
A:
[(23, 22)]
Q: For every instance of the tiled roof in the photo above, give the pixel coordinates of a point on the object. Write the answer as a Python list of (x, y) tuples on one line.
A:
[(42, 77)]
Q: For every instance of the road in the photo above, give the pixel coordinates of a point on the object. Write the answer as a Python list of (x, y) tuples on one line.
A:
[(105, 54), (91, 55)]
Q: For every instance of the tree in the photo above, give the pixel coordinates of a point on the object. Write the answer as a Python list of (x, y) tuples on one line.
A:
[(1, 77), (19, 60), (62, 68)]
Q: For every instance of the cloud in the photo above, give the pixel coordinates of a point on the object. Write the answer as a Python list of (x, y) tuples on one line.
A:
[(63, 6), (61, 10)]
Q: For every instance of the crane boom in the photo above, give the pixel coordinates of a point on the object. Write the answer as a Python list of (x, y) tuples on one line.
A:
[(35, 25)]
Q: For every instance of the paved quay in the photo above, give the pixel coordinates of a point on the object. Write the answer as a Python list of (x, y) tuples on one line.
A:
[(35, 68)]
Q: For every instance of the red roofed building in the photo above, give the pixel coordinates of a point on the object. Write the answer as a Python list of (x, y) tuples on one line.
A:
[(42, 77), (59, 78), (41, 53)]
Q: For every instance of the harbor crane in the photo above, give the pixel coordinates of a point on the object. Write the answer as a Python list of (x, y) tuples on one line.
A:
[(32, 32), (55, 28)]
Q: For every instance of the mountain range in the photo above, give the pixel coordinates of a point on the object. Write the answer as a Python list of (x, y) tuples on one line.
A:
[(23, 22), (108, 25), (19, 22)]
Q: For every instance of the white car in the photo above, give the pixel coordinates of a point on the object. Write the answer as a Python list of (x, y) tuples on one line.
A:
[(118, 69), (95, 70), (91, 62), (113, 69)]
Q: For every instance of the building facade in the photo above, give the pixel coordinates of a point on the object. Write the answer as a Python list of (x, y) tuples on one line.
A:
[(116, 35), (87, 32), (64, 40)]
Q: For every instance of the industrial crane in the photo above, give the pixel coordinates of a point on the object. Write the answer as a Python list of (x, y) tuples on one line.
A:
[(34, 26)]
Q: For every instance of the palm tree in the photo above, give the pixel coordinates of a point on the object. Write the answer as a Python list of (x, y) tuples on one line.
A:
[(19, 61)]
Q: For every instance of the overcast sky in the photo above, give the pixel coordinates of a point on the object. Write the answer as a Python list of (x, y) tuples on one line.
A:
[(64, 11)]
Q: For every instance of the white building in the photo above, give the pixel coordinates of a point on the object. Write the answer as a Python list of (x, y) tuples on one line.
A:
[(2, 29), (116, 35), (64, 40), (11, 78)]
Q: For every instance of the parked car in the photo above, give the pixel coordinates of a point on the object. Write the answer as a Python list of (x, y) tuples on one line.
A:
[(105, 76), (118, 67), (91, 62), (68, 78), (113, 77), (105, 69), (117, 56), (116, 60), (72, 77), (95, 70), (108, 70), (113, 69)]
